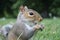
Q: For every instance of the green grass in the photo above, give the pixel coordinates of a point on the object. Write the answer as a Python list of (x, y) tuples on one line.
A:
[(50, 32), (6, 21)]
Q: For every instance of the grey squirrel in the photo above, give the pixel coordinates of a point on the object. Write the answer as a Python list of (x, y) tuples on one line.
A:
[(27, 24)]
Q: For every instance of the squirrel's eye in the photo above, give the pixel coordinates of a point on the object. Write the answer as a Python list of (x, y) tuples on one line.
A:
[(31, 13)]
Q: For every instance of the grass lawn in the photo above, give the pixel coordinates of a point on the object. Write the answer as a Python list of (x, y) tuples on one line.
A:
[(50, 32)]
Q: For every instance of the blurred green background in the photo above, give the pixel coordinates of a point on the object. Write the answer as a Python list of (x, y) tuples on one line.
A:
[(47, 8)]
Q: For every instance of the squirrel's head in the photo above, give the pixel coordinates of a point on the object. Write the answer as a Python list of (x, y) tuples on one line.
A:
[(29, 14)]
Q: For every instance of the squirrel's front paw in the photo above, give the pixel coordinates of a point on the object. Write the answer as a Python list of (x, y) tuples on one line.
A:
[(41, 27)]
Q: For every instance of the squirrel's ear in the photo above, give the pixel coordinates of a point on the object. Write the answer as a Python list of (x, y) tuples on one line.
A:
[(26, 8), (21, 8)]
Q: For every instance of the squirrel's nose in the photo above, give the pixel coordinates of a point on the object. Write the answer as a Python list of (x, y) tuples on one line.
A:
[(40, 19), (31, 13)]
